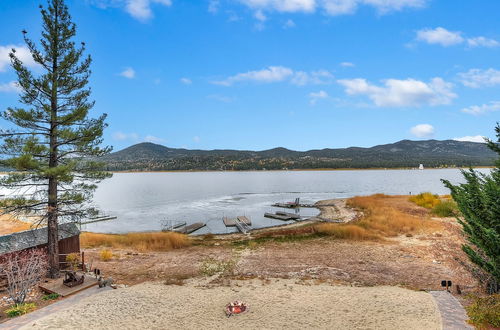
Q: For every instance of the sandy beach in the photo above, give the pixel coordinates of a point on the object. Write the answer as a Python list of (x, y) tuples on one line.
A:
[(274, 304)]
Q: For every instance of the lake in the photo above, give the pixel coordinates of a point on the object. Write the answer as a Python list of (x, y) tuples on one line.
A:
[(141, 201)]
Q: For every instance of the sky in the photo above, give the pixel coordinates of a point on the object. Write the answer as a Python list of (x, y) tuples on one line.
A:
[(259, 74)]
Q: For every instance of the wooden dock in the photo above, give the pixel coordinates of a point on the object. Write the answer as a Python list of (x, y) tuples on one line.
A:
[(98, 219), (278, 216), (292, 216), (243, 223), (292, 205), (231, 222), (57, 286), (190, 228)]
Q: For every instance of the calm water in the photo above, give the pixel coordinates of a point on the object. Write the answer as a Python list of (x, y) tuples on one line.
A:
[(141, 201)]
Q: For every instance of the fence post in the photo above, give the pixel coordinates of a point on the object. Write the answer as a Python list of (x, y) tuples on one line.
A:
[(83, 261)]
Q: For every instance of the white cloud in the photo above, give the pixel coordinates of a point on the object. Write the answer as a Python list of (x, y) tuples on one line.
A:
[(259, 15), (321, 77), (196, 139), (315, 97), (128, 73), (476, 138), (22, 52), (275, 74), (482, 109), (402, 93), (186, 81), (135, 138), (213, 6), (290, 6), (476, 78), (10, 87), (440, 36), (141, 9), (221, 98), (138, 9), (444, 37), (482, 42), (289, 24), (347, 64), (331, 7), (153, 139), (268, 75), (120, 136), (422, 131)]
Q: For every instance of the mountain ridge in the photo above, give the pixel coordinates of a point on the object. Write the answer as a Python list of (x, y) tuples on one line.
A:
[(147, 156)]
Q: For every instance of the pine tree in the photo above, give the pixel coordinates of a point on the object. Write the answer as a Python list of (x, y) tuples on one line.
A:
[(479, 202), (53, 143)]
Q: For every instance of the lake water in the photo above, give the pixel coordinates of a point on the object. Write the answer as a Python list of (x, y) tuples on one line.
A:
[(141, 201)]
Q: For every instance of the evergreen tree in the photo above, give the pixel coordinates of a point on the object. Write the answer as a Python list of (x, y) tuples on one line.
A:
[(53, 143), (479, 202)]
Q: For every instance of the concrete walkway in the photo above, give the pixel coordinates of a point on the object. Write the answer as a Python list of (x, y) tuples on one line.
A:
[(453, 315), (32, 317)]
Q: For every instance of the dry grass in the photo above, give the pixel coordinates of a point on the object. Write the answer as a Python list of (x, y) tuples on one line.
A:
[(9, 225), (348, 231), (153, 241), (383, 217), (106, 255)]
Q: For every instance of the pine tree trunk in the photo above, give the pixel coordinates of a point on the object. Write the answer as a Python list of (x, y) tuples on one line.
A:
[(52, 212)]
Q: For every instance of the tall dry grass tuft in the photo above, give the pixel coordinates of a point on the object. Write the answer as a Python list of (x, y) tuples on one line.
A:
[(347, 231), (381, 218), (426, 199), (151, 241)]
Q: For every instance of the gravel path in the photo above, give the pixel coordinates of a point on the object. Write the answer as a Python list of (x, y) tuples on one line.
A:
[(453, 315)]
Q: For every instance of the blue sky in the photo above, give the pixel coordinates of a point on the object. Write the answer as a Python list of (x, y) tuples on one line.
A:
[(302, 74)]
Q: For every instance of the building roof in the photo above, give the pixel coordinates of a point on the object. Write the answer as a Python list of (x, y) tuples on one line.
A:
[(34, 237)]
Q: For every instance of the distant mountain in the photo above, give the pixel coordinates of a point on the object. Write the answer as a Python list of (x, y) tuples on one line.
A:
[(432, 153)]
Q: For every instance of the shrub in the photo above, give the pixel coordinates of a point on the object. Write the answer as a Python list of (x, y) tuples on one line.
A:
[(153, 241), (51, 296), (445, 209), (106, 255), (73, 259), (23, 270), (426, 199), (485, 312), (20, 309), (212, 266)]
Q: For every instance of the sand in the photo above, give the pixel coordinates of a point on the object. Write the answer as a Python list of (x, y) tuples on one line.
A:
[(275, 304), (336, 209)]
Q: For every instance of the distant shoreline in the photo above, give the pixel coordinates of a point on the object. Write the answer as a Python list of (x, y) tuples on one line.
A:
[(306, 170)]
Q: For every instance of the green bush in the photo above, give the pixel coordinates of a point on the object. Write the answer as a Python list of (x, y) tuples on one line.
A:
[(426, 199), (445, 209), (485, 312), (51, 296), (20, 309)]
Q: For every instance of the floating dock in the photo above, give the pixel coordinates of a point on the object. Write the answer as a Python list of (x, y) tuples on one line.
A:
[(281, 216), (292, 216), (170, 225), (292, 205), (190, 228), (99, 219), (242, 223)]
